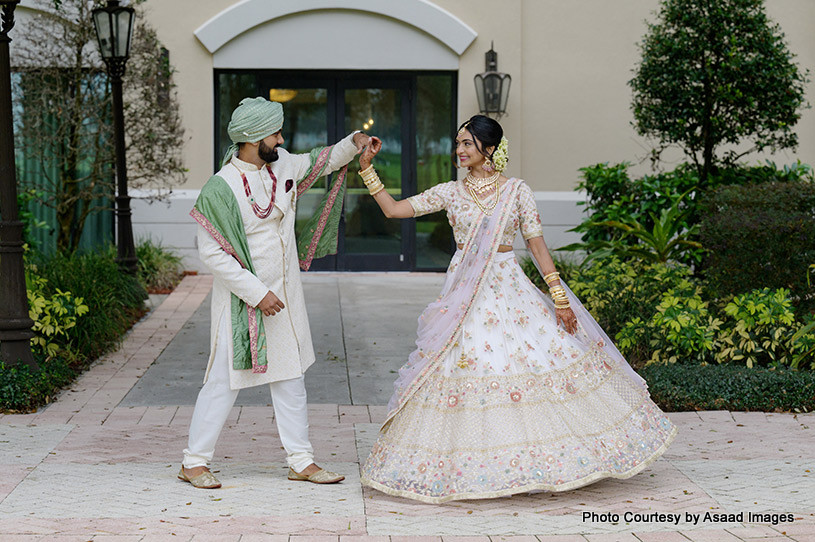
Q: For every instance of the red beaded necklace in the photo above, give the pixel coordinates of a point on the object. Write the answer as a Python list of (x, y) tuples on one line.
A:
[(259, 211)]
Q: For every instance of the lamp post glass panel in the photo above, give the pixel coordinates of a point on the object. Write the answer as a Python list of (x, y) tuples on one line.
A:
[(492, 87), (114, 29), (15, 324)]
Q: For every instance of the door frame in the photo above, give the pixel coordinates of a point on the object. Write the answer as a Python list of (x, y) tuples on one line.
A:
[(372, 261), (336, 82)]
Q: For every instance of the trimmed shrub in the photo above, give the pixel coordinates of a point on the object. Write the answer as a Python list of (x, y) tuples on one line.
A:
[(681, 330), (759, 324), (617, 291), (760, 235), (677, 388), (114, 299), (613, 195), (22, 390), (768, 172)]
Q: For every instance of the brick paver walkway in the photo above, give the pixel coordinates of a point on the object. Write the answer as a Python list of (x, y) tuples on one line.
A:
[(86, 468)]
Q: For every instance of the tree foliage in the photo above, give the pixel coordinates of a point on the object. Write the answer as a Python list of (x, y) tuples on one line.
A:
[(715, 74), (64, 118)]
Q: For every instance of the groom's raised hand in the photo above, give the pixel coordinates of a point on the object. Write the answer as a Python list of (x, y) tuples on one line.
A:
[(361, 140)]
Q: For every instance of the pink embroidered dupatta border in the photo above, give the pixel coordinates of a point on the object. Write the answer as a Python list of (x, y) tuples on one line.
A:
[(312, 177), (308, 182), (440, 323), (250, 311), (332, 197)]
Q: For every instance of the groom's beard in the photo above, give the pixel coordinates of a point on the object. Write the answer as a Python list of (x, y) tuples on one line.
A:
[(266, 153)]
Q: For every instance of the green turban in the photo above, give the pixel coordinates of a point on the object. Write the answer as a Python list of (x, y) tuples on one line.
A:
[(254, 119)]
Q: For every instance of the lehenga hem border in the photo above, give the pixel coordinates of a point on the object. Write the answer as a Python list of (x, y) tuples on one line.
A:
[(574, 484)]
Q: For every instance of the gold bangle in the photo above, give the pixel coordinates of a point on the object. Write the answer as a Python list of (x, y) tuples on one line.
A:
[(368, 174), (547, 278), (376, 190)]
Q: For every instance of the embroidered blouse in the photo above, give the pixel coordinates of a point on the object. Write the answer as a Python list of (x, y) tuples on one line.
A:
[(462, 210)]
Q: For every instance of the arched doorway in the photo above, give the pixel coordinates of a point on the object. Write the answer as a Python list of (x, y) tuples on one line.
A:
[(404, 81)]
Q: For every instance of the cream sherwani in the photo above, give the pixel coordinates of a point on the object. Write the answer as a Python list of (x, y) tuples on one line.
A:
[(289, 352), (273, 249)]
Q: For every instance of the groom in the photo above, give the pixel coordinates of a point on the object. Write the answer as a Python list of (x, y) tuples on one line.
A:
[(260, 332)]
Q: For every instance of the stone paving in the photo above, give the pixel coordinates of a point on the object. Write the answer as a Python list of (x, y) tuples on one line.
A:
[(100, 462)]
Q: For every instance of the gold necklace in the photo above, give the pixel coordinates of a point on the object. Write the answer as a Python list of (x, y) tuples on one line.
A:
[(481, 184), (487, 210)]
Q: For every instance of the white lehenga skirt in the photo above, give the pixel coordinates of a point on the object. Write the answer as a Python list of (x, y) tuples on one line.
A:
[(517, 405)]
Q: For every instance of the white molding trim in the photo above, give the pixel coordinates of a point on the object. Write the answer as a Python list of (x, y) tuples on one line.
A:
[(422, 14), (571, 195)]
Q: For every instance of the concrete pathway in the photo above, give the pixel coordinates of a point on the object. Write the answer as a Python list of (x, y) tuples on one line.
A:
[(100, 462)]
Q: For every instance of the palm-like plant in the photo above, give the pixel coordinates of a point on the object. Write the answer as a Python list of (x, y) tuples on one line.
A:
[(667, 240)]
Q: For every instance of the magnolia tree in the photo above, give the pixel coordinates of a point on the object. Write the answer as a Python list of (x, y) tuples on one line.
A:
[(64, 120), (716, 76)]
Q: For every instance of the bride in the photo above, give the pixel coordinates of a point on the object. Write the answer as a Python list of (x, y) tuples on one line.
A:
[(508, 390)]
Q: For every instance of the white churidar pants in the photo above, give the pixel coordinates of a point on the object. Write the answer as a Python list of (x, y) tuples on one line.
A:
[(216, 399)]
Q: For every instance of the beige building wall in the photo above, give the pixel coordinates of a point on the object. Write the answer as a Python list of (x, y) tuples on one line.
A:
[(569, 105), (569, 61)]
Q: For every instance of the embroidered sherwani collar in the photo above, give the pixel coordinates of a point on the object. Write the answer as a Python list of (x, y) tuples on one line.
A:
[(243, 166)]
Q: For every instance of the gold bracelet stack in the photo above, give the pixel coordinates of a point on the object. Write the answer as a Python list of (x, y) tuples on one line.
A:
[(371, 180), (558, 294), (551, 277)]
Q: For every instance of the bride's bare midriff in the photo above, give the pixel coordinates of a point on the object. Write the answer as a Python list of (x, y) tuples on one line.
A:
[(501, 248)]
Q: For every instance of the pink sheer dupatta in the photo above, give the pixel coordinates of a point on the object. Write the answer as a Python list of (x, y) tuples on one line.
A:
[(440, 323), (595, 333)]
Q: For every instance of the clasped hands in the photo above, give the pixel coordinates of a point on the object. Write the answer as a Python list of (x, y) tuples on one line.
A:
[(371, 148)]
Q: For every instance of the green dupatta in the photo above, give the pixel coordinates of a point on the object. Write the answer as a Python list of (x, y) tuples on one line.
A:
[(217, 211)]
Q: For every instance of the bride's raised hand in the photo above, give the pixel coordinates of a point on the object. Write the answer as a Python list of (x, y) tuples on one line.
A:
[(368, 153)]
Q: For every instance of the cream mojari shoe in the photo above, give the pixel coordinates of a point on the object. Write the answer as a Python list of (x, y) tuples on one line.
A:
[(205, 480), (322, 476)]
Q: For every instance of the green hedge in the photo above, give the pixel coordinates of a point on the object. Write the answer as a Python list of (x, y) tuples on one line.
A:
[(66, 338), (759, 236), (115, 299), (677, 388), (23, 390)]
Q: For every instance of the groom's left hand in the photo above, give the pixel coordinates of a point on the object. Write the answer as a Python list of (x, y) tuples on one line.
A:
[(361, 140)]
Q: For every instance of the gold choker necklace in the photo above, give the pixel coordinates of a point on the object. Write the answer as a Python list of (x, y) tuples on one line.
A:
[(476, 186), (482, 184)]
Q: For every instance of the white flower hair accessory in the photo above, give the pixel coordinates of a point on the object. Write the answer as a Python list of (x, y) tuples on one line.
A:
[(501, 155)]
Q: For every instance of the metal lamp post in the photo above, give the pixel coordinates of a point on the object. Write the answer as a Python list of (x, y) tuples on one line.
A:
[(114, 28), (492, 86), (15, 325)]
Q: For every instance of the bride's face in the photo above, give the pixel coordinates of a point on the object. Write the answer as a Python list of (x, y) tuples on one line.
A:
[(467, 151)]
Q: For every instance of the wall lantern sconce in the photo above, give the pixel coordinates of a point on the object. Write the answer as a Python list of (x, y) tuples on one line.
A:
[(492, 86)]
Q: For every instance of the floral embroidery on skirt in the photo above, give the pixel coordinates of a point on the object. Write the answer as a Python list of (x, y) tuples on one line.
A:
[(517, 405)]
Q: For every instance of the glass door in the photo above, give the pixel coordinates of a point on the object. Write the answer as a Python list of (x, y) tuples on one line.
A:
[(414, 115), (369, 241)]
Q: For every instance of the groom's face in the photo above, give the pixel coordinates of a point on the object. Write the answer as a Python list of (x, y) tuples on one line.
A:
[(267, 148)]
